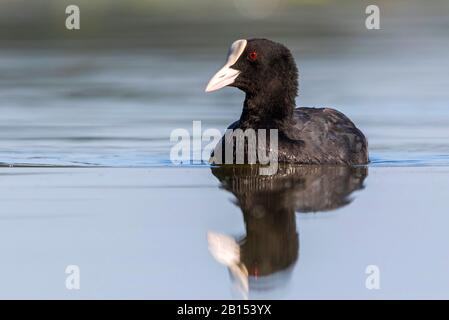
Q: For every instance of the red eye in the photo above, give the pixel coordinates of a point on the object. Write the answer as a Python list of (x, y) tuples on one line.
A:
[(253, 56)]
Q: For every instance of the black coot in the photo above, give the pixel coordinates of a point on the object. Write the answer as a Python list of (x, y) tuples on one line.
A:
[(267, 73)]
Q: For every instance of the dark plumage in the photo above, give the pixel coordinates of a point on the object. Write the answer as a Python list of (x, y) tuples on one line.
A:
[(267, 73)]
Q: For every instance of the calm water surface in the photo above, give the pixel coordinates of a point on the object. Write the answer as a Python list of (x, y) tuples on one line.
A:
[(86, 177)]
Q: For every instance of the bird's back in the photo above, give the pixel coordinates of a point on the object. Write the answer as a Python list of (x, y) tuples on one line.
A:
[(322, 136)]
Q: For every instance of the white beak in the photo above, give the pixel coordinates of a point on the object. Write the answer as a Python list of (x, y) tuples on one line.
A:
[(227, 75)]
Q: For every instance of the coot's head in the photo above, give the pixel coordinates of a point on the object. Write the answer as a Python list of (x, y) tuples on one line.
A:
[(258, 66)]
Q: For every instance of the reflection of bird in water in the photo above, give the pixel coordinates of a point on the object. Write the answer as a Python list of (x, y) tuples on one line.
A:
[(264, 257)]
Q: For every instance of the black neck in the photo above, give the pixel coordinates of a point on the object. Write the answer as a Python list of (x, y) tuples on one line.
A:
[(267, 110)]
